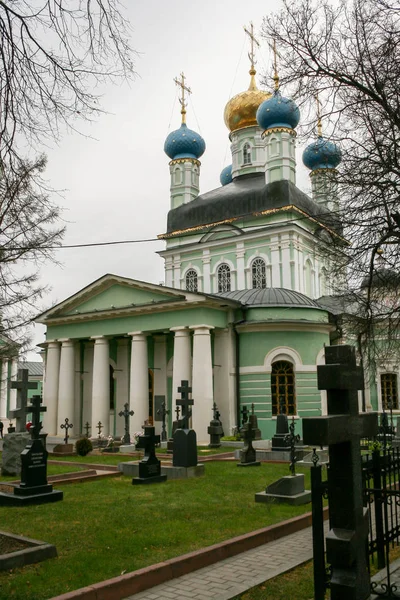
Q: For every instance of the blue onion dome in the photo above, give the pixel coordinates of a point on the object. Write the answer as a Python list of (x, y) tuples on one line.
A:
[(226, 175), (184, 143), (322, 154), (278, 112)]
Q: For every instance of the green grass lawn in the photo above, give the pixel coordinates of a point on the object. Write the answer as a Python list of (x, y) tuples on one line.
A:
[(51, 470), (103, 528)]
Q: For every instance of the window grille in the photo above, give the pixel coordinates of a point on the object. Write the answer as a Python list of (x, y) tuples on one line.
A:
[(191, 281), (283, 388), (259, 273), (389, 391), (224, 278)]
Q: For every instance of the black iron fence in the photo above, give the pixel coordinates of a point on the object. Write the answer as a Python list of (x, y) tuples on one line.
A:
[(381, 489)]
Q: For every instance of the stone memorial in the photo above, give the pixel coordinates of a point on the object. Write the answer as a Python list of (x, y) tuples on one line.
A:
[(185, 439), (289, 489), (254, 424), (215, 429), (248, 453), (149, 466), (175, 425), (342, 430), (34, 488), (22, 385), (13, 445), (280, 440)]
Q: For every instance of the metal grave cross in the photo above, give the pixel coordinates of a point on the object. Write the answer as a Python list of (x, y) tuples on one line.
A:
[(99, 427), (87, 427), (184, 402), (126, 413), (36, 409), (292, 438), (341, 430), (22, 385), (67, 425), (163, 412)]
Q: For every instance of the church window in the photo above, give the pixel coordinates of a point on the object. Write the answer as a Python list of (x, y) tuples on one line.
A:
[(178, 175), (389, 391), (258, 273), (191, 281), (224, 278), (246, 154), (282, 388)]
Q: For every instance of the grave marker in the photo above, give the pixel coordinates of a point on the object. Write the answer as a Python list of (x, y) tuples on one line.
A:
[(66, 425), (185, 439), (149, 466), (126, 413), (22, 385), (342, 430)]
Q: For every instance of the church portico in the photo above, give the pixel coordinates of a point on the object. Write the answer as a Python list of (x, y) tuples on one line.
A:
[(66, 387)]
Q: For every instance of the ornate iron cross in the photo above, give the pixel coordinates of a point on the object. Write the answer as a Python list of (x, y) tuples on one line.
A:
[(126, 413), (67, 425), (87, 427), (184, 402), (163, 412), (36, 409), (293, 439), (99, 427)]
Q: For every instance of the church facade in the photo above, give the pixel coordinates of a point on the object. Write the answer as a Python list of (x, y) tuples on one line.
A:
[(238, 316)]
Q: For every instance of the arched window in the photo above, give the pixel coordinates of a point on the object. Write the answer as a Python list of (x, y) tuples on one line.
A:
[(246, 154), (224, 278), (282, 388), (177, 175), (191, 281), (258, 273), (389, 391)]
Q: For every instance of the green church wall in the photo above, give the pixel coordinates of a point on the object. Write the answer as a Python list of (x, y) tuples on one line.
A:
[(118, 295), (254, 346), (113, 350), (147, 323), (285, 314)]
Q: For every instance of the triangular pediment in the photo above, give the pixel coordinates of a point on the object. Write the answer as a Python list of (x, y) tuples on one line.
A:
[(112, 292)]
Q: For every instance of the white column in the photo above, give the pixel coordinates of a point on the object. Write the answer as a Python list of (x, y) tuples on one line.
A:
[(122, 382), (168, 272), (139, 382), (177, 271), (182, 361), (206, 272), (225, 377), (13, 377), (87, 378), (286, 270), (275, 267), (241, 283), (50, 388), (66, 384), (4, 387), (202, 383), (160, 371), (101, 385)]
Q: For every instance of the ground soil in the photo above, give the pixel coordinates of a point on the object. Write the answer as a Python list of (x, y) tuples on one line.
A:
[(8, 545)]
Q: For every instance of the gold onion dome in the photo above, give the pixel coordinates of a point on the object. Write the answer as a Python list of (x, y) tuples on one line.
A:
[(241, 109)]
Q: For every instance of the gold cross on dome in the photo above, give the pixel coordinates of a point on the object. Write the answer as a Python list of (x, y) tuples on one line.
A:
[(253, 41), (181, 83)]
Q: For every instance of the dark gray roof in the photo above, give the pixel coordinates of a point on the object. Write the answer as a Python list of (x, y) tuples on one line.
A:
[(382, 277), (246, 195), (270, 297), (34, 368)]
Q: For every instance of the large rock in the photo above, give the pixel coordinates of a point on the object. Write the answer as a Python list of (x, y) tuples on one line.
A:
[(13, 445)]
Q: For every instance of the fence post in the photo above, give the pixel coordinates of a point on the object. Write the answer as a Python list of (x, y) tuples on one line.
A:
[(318, 533), (379, 529)]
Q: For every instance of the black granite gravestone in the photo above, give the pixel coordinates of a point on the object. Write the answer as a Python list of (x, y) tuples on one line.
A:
[(33, 488), (22, 385), (341, 430), (185, 439), (175, 425), (280, 440), (215, 430), (126, 413), (248, 453), (149, 466)]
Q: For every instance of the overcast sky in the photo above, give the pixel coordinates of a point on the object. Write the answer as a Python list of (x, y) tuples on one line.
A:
[(117, 182)]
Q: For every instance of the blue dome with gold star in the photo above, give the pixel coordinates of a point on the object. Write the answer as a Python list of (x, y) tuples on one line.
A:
[(226, 175), (322, 154), (184, 143), (278, 112)]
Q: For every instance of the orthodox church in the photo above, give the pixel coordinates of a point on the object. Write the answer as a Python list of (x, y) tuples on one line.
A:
[(238, 316)]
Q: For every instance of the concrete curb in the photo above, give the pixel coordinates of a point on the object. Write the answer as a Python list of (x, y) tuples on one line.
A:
[(37, 552), (120, 587)]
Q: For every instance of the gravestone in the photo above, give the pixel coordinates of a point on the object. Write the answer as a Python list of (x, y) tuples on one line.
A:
[(248, 453), (34, 488), (175, 425), (126, 413), (149, 466), (342, 430), (22, 385), (215, 429), (13, 445), (279, 440), (254, 424), (185, 439), (162, 413)]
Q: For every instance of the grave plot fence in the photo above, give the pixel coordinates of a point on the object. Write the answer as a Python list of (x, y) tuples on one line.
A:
[(381, 489)]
